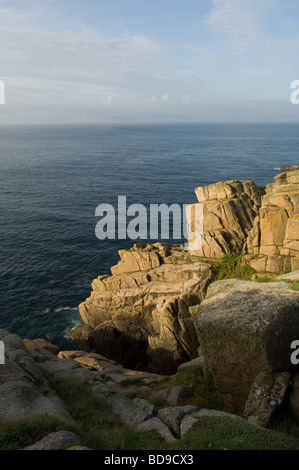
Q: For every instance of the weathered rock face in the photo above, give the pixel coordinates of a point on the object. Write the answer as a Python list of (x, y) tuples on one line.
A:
[(245, 328), (276, 229), (24, 391), (267, 394), (140, 315), (294, 398), (239, 216), (229, 211)]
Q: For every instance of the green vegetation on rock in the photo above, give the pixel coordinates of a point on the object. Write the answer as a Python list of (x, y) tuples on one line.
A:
[(295, 285), (17, 434), (98, 427), (232, 267), (206, 394)]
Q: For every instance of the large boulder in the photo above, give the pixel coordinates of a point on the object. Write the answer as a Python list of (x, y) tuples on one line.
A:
[(244, 328), (139, 316)]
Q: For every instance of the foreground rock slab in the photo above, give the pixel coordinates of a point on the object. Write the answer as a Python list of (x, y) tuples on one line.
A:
[(173, 417), (55, 441), (245, 328), (24, 391)]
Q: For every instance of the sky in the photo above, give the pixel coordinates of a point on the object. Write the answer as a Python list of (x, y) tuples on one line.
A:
[(148, 61)]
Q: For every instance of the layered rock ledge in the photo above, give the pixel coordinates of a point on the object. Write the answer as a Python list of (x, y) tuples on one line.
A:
[(139, 315)]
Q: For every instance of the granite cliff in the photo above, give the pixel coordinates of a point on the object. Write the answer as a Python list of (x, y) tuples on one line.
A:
[(161, 305), (275, 233), (264, 222)]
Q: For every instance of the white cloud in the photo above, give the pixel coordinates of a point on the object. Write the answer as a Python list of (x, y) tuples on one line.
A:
[(58, 66), (239, 22)]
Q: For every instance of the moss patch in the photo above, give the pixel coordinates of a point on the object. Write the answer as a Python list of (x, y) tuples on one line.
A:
[(232, 267)]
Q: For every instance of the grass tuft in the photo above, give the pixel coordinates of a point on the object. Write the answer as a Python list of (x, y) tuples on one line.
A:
[(232, 267), (98, 427), (17, 434)]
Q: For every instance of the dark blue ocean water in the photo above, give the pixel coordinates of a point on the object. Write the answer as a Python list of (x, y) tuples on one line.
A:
[(53, 178)]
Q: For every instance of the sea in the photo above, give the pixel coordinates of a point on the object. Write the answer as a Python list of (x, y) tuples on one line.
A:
[(54, 177)]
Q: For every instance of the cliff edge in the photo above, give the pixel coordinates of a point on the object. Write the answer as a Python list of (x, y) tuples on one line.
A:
[(144, 314)]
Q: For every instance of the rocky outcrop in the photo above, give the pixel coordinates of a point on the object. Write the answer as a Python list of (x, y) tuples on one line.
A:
[(238, 216), (244, 328), (24, 391), (139, 316), (41, 343), (289, 168), (229, 211), (170, 422), (275, 234)]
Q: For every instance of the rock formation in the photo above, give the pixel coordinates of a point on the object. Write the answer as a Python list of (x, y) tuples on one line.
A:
[(24, 391), (140, 315), (266, 396), (245, 328), (289, 168), (26, 370), (238, 216), (229, 211), (275, 234)]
